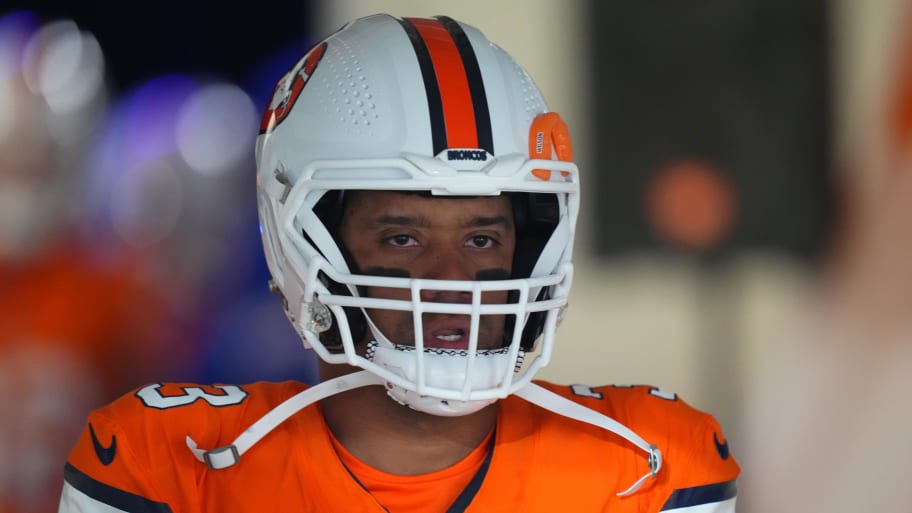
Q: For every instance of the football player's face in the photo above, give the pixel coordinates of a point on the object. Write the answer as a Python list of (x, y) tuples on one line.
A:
[(411, 235)]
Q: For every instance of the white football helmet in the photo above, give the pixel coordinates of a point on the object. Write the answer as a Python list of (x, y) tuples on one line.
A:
[(416, 105)]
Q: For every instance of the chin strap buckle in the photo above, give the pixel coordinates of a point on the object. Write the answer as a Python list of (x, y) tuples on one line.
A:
[(218, 458), (655, 459), (221, 457), (655, 463)]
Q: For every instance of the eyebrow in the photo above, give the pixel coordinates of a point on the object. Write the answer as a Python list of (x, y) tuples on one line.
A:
[(423, 222)]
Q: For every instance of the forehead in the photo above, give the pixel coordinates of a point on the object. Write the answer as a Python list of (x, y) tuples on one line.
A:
[(405, 202)]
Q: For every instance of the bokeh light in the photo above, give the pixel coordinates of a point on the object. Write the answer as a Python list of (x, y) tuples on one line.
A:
[(215, 127)]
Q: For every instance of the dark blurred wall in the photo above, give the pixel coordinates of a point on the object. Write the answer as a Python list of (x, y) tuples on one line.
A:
[(142, 40), (729, 98)]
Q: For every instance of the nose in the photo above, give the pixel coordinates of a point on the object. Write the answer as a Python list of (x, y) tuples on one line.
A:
[(447, 264)]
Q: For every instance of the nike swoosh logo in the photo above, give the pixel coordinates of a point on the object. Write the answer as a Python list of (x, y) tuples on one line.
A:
[(721, 447), (105, 454)]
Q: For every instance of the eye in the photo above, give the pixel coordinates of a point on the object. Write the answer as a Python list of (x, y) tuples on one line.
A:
[(481, 242), (402, 240)]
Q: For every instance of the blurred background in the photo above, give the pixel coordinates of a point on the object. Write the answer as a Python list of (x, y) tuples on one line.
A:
[(735, 157)]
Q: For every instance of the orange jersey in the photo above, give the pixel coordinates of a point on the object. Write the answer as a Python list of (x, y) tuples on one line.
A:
[(133, 456)]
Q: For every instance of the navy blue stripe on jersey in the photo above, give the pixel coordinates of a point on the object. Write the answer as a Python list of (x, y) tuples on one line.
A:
[(476, 84), (432, 89), (111, 496), (468, 493), (706, 494)]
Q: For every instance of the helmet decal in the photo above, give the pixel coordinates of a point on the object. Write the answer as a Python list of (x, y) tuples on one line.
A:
[(452, 77), (289, 88), (548, 131)]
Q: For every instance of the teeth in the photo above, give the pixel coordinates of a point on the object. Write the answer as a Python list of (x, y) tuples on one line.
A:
[(449, 338)]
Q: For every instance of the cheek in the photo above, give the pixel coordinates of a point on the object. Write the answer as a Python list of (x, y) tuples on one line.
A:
[(396, 325), (494, 297), (385, 318)]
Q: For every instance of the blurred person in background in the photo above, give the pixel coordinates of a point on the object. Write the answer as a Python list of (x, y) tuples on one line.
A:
[(829, 416), (77, 324)]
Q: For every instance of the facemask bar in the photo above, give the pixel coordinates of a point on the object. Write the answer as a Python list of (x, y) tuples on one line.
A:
[(474, 309)]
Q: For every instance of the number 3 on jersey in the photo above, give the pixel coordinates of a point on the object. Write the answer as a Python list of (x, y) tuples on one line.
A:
[(587, 391), (153, 398)]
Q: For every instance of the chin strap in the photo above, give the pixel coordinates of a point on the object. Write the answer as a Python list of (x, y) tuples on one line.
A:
[(562, 406), (228, 455)]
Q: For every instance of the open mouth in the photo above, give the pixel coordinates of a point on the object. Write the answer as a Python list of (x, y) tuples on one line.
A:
[(447, 338)]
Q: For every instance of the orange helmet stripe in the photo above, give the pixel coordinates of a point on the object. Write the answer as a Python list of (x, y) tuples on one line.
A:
[(456, 96)]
